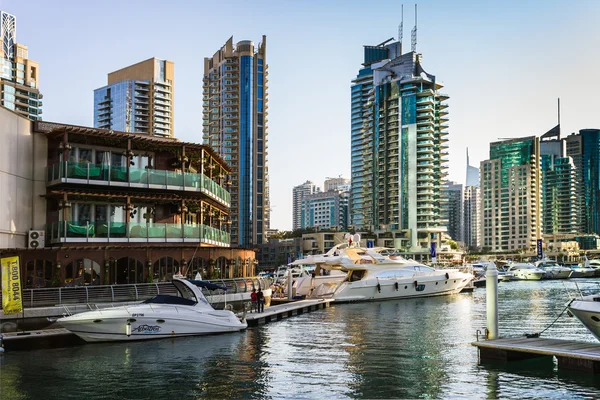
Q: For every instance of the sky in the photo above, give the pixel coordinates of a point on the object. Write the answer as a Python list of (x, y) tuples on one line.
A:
[(503, 63)]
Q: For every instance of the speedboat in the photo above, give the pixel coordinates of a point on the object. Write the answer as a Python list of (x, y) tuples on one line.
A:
[(582, 272), (525, 271), (587, 310), (553, 270), (162, 316), (376, 274)]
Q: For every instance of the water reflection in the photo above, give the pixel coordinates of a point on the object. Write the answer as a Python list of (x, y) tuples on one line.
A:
[(415, 348)]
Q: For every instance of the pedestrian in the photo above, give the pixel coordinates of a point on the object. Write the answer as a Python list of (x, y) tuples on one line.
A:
[(254, 300), (261, 300)]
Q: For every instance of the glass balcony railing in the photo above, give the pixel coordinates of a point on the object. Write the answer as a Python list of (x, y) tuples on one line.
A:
[(101, 173), (77, 231)]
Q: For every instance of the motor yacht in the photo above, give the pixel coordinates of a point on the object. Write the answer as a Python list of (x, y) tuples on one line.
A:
[(587, 310), (553, 270), (162, 316), (582, 272), (376, 274), (525, 271)]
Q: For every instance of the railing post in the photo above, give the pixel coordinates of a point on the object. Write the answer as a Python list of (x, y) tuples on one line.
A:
[(59, 295), (112, 293), (87, 295)]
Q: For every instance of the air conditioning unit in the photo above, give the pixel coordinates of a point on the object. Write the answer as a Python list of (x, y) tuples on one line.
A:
[(36, 239)]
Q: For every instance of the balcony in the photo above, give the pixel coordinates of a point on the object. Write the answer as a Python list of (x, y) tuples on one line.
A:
[(118, 176), (102, 232)]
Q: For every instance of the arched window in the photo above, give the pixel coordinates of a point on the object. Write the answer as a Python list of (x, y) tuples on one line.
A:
[(38, 274), (82, 272), (164, 269), (128, 270), (238, 271), (223, 268), (197, 265)]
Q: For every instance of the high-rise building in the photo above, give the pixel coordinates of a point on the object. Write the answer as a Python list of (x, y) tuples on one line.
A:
[(298, 194), (454, 210), (472, 173), (138, 98), (590, 161), (235, 126), (399, 146), (471, 217), (573, 149), (19, 76), (338, 183), (326, 210), (511, 195)]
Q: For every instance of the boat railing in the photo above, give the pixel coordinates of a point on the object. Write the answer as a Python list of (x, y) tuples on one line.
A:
[(92, 294)]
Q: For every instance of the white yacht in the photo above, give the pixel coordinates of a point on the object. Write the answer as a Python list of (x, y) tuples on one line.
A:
[(553, 270), (162, 316), (587, 310), (582, 272), (525, 271), (371, 275)]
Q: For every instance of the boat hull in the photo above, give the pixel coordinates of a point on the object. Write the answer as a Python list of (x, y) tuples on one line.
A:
[(143, 323), (583, 273), (402, 288), (528, 275), (588, 313)]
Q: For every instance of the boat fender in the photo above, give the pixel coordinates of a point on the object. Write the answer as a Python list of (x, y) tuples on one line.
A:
[(447, 275), (416, 283), (378, 287), (397, 286), (1, 345)]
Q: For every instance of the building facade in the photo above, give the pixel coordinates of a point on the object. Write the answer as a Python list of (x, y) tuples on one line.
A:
[(235, 126), (138, 98), (511, 195), (338, 183), (573, 149), (298, 194), (471, 217), (80, 212), (590, 163), (326, 210), (399, 146), (454, 210), (19, 76)]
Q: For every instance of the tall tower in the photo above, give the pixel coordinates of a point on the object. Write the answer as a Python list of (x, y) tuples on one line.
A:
[(590, 146), (511, 195), (138, 98), (472, 173), (298, 194), (235, 126), (19, 76), (471, 217), (454, 207), (399, 146)]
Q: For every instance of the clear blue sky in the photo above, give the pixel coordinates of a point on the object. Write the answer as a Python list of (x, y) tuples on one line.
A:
[(503, 63)]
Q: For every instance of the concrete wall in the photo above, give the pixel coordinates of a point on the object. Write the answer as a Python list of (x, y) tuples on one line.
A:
[(22, 180)]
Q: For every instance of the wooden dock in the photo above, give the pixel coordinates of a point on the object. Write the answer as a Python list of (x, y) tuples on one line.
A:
[(286, 310), (41, 339), (581, 356)]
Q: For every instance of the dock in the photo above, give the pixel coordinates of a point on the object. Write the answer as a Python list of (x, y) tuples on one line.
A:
[(572, 355), (286, 310)]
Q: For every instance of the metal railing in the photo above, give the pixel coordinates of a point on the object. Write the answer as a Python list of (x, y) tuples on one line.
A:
[(45, 297)]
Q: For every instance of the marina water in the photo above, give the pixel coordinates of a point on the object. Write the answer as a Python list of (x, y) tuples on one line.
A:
[(415, 348)]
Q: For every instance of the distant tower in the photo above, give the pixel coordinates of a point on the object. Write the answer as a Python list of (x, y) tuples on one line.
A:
[(472, 173), (298, 194)]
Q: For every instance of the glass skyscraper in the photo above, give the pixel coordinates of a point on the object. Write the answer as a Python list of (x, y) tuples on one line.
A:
[(235, 126), (138, 98), (19, 76), (399, 147), (590, 160)]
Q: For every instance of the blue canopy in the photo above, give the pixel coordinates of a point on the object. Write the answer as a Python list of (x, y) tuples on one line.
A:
[(208, 285)]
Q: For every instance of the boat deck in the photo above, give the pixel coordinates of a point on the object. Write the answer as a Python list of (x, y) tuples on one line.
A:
[(582, 356)]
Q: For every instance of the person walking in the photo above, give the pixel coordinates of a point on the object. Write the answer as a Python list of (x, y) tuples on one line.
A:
[(261, 300), (254, 300)]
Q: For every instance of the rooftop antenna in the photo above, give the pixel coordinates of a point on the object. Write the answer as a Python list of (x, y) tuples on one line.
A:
[(559, 111), (413, 41), (401, 27)]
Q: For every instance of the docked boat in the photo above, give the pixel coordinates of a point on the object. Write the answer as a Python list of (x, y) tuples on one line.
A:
[(162, 316), (376, 274), (553, 270), (587, 310), (525, 271), (582, 272)]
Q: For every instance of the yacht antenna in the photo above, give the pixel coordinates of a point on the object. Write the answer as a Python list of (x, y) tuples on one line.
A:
[(413, 44)]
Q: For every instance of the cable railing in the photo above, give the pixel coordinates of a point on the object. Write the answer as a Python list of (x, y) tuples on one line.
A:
[(45, 297)]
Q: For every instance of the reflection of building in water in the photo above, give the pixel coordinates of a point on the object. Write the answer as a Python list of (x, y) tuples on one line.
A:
[(85, 206)]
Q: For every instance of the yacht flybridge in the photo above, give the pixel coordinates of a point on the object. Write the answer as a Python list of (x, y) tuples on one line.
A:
[(162, 316), (381, 274)]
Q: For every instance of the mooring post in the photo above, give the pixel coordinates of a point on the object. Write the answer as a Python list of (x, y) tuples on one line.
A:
[(491, 300), (290, 283)]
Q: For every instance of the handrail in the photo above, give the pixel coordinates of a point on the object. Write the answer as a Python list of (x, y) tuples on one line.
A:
[(128, 292)]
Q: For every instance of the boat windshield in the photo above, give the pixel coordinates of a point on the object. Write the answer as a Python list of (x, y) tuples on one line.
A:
[(168, 299), (406, 271)]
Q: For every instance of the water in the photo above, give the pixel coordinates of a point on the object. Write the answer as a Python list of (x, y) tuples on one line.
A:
[(419, 348)]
